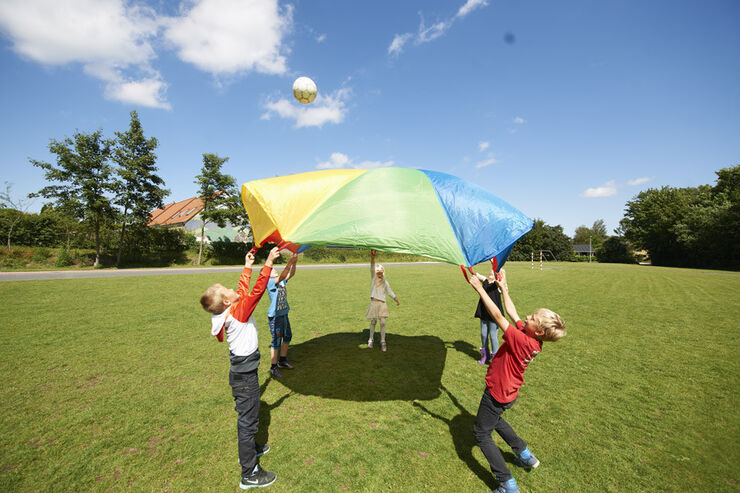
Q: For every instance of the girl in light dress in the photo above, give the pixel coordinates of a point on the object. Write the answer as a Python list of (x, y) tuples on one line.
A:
[(378, 309)]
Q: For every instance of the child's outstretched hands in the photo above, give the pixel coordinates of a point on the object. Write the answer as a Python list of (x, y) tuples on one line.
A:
[(501, 280), (475, 282), (274, 253), (372, 253), (249, 259)]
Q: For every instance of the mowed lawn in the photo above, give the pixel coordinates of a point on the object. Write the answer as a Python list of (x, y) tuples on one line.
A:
[(117, 385)]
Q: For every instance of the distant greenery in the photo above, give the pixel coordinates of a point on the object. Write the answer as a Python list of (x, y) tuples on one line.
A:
[(689, 227), (543, 237), (116, 385)]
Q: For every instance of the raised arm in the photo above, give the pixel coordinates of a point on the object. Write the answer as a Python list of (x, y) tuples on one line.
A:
[(508, 303), (372, 264), (243, 288), (294, 259), (246, 304), (489, 304), (289, 269)]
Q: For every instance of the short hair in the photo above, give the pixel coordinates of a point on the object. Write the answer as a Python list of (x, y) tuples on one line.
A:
[(552, 324), (213, 299)]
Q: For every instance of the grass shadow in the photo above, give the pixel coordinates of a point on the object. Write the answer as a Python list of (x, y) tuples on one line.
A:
[(461, 431), (337, 366), (263, 430), (467, 349)]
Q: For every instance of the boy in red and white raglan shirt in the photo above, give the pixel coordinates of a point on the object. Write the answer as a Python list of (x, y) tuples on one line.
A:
[(504, 377), (232, 315)]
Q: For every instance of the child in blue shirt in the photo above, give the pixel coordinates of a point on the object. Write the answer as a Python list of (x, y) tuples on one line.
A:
[(277, 317)]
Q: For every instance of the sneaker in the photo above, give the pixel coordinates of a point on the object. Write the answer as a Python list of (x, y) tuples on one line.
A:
[(261, 449), (526, 460), (275, 372), (258, 479), (370, 344), (507, 487), (382, 346), (483, 356), (285, 364)]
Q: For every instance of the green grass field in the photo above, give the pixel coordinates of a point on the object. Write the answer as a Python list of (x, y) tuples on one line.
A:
[(117, 385)]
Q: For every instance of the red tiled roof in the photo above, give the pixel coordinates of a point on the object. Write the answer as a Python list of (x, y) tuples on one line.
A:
[(177, 212)]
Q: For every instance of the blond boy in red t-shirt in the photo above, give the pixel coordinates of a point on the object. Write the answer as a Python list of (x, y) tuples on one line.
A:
[(504, 377)]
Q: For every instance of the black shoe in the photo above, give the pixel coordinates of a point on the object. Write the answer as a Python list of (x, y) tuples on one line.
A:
[(285, 364), (258, 479), (261, 449)]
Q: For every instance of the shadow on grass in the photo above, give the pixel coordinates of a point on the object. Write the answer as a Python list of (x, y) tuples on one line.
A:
[(461, 431), (338, 366), (263, 429), (467, 349)]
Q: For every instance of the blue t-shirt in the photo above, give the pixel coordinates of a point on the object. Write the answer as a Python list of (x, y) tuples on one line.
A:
[(278, 298)]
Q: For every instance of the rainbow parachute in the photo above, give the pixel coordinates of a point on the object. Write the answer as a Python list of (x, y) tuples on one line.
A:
[(392, 209)]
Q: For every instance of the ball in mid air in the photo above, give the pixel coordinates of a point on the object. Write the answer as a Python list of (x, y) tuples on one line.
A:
[(304, 90)]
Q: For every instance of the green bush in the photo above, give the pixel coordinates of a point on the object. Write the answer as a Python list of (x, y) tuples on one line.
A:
[(63, 258), (616, 250)]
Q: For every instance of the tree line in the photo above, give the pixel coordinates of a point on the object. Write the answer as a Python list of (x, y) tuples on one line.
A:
[(103, 191)]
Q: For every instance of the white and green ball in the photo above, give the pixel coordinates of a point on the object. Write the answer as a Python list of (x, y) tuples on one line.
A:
[(304, 90)]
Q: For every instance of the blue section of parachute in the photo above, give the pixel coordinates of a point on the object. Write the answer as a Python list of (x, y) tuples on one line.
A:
[(485, 226)]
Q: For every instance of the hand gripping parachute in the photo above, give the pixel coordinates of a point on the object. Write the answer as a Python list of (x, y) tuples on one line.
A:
[(402, 210)]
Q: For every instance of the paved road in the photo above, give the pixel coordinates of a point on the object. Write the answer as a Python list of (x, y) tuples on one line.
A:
[(81, 274)]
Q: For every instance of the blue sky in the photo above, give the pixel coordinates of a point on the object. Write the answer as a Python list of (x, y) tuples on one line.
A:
[(564, 109)]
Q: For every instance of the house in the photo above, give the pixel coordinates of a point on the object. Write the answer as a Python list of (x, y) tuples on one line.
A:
[(186, 215), (584, 250)]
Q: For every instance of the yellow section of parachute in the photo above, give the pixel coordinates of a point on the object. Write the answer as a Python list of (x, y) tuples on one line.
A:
[(282, 203)]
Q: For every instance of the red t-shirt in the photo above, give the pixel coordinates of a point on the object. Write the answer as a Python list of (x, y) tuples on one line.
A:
[(506, 372)]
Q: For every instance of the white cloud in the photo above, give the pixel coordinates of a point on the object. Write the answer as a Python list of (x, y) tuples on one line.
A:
[(324, 109), (115, 41), (638, 181), (519, 120), (397, 44), (470, 6), (339, 160), (482, 146), (486, 162), (432, 32), (145, 92), (111, 39), (232, 36), (336, 160), (321, 38), (426, 34), (606, 190)]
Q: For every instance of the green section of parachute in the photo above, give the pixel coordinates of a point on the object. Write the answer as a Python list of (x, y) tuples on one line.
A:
[(388, 209)]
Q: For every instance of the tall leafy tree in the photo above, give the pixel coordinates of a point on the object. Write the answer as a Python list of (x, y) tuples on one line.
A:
[(542, 236), (595, 235), (139, 190), (83, 179), (651, 221), (15, 210), (219, 195)]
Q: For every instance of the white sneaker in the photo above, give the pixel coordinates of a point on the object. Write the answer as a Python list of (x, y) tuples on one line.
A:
[(370, 344)]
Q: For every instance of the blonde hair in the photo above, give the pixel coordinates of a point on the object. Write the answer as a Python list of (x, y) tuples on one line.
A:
[(213, 299), (552, 324)]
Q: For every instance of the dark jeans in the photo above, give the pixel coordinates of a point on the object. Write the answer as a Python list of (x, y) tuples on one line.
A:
[(246, 391), (489, 419)]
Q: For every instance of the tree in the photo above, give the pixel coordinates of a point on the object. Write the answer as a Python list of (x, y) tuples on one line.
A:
[(85, 178), (139, 190), (651, 220), (220, 198), (17, 208), (595, 235), (543, 237), (615, 250)]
